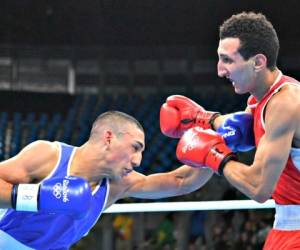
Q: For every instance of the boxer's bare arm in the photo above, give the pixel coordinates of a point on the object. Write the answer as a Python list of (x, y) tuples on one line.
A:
[(27, 166), (282, 125), (180, 181), (219, 120)]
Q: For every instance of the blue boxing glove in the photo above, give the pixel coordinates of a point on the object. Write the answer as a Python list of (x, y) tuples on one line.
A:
[(237, 130), (69, 195)]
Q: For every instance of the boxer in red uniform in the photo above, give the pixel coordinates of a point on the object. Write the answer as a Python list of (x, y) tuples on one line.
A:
[(247, 51)]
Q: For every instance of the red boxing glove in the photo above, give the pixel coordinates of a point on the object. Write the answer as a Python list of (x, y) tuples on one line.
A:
[(180, 113), (204, 148)]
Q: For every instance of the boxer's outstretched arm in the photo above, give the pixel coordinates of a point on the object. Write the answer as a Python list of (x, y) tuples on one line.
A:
[(181, 181)]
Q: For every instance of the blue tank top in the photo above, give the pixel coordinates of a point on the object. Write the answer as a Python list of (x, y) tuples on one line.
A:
[(44, 231)]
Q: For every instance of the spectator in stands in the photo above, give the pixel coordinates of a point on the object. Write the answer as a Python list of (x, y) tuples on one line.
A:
[(123, 225), (164, 236), (197, 228)]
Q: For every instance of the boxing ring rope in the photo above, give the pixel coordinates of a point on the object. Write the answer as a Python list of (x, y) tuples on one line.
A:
[(188, 206)]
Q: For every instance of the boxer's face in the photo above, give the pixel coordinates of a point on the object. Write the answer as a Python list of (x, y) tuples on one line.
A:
[(126, 151), (234, 67)]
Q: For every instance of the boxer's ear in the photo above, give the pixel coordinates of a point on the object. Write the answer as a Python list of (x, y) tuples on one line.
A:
[(108, 135), (259, 62)]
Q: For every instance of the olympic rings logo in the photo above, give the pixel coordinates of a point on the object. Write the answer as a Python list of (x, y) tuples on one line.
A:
[(57, 190), (27, 197)]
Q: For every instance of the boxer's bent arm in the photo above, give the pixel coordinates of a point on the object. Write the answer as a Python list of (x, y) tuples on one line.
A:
[(181, 181), (282, 120), (219, 120), (28, 165)]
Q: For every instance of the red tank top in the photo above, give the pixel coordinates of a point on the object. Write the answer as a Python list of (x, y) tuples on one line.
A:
[(287, 190)]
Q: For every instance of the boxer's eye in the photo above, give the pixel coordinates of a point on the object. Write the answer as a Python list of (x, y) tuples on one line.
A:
[(227, 60), (136, 147)]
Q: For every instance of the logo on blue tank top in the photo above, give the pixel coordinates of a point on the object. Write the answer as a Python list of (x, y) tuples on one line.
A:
[(61, 190)]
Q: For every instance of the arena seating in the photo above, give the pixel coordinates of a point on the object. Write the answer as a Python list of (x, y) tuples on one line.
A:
[(69, 119)]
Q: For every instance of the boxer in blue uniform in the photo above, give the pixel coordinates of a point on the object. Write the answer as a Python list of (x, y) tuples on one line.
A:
[(52, 193)]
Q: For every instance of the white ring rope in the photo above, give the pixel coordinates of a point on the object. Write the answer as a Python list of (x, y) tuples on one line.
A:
[(188, 206)]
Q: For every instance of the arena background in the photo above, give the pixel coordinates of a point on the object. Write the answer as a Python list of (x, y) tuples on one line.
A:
[(64, 62)]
